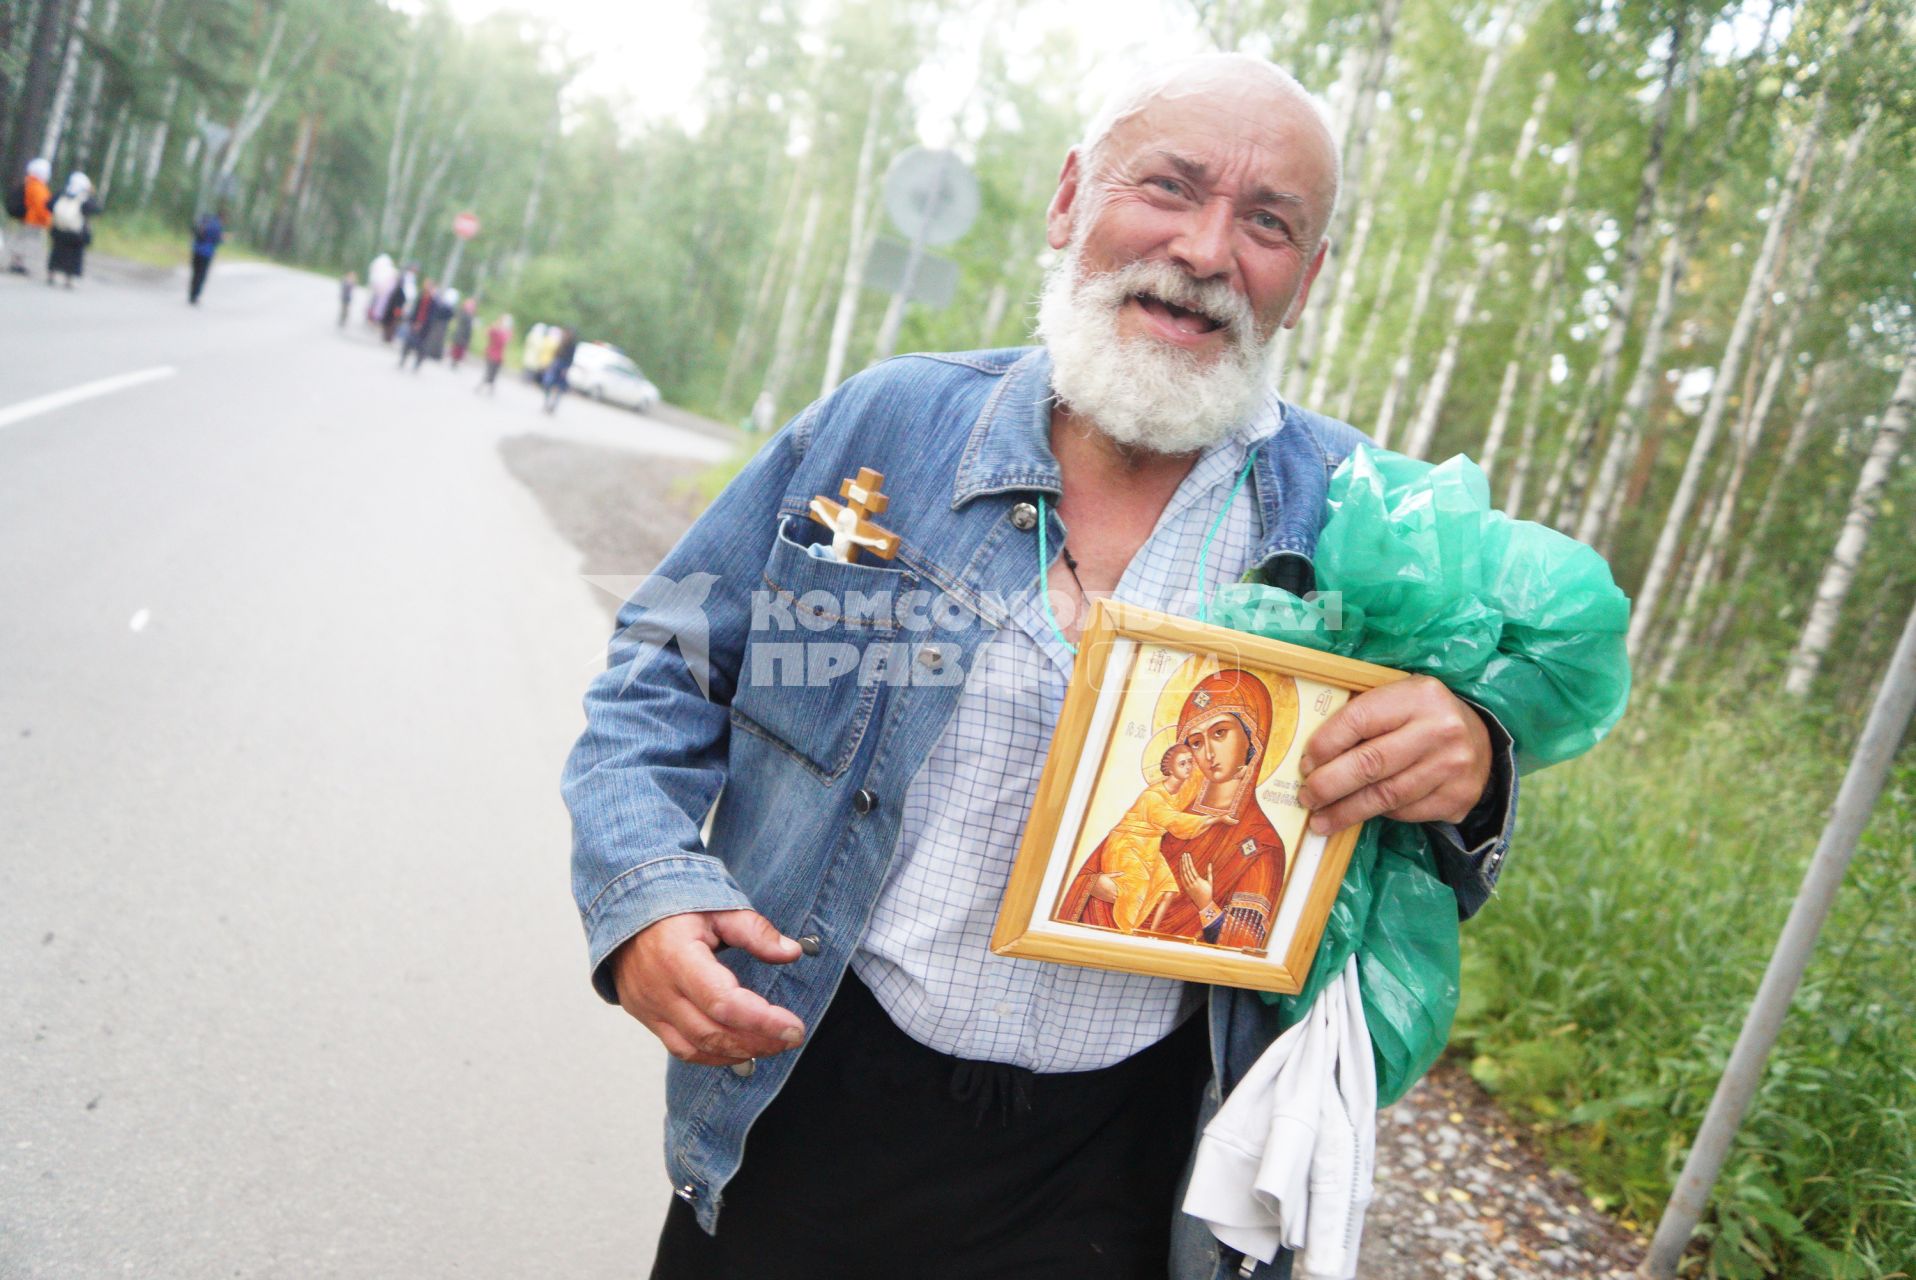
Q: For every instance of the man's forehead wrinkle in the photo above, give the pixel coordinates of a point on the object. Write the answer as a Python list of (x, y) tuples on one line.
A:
[(1199, 172)]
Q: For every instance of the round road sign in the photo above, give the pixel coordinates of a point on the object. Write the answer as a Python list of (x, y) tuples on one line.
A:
[(930, 195), (465, 225)]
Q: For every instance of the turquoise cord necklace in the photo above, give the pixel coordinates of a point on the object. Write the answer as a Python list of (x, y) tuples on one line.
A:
[(1204, 555)]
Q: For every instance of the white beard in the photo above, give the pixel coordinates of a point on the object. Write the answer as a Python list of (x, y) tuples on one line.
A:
[(1142, 393)]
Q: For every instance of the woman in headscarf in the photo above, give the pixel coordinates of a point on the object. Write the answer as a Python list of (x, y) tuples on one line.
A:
[(35, 215), (1231, 873), (72, 214)]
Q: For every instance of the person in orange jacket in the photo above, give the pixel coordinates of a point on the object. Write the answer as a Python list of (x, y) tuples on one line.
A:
[(31, 203)]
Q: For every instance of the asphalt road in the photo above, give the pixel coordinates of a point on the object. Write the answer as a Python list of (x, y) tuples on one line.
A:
[(291, 983)]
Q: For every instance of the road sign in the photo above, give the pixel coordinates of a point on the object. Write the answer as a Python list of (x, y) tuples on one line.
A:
[(465, 225), (931, 195), (933, 283)]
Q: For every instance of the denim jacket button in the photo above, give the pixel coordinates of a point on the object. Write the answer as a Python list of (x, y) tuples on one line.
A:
[(1024, 516), (864, 801), (931, 656), (743, 1070), (811, 944), (688, 1193)]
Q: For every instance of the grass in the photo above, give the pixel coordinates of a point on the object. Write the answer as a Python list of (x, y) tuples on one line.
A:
[(155, 242), (1604, 988)]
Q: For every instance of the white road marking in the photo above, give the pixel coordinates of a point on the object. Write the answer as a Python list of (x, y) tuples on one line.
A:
[(139, 620), (85, 391)]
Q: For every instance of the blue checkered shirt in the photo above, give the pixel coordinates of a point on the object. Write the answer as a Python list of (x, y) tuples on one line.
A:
[(927, 952)]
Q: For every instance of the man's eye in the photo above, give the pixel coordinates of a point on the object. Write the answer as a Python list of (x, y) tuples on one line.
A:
[(1167, 184), (1269, 222)]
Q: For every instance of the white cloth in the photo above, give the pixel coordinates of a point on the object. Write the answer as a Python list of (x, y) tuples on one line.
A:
[(927, 953), (1290, 1158)]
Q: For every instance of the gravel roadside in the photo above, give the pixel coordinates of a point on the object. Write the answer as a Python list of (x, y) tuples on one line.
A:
[(1461, 1194)]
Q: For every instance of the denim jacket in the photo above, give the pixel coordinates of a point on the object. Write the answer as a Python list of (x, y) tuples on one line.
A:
[(818, 688)]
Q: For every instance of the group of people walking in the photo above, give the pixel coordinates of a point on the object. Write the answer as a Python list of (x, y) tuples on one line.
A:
[(427, 320), (61, 225)]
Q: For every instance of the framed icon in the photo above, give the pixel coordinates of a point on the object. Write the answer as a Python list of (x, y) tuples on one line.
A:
[(1166, 837)]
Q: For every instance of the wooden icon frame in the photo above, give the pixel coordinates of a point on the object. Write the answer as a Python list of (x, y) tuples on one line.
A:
[(1083, 761)]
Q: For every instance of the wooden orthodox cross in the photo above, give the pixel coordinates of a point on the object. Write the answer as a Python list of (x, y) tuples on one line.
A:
[(850, 521)]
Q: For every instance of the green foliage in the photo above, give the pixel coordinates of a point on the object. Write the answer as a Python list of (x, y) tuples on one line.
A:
[(1606, 984)]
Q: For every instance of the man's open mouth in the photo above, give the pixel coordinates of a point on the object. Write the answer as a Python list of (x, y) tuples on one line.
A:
[(1182, 318)]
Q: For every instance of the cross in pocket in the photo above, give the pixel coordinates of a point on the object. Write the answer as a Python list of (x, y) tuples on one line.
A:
[(850, 521)]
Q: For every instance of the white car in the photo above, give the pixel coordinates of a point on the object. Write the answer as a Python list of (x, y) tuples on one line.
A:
[(608, 375)]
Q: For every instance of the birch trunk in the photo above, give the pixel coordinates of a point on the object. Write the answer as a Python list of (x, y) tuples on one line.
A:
[(1599, 514), (389, 200), (1344, 288), (785, 342), (1533, 415), (1380, 301), (858, 241), (1360, 359), (69, 72), (284, 224), (1440, 241), (1603, 511), (1806, 418), (537, 185), (1540, 325), (442, 163), (261, 97), (1549, 512), (1430, 407), (1799, 290), (1584, 429), (115, 148), (1657, 575), (745, 344), (1364, 164), (1423, 428), (96, 84), (1840, 572)]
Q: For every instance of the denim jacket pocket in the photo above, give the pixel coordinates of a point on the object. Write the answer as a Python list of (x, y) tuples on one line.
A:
[(821, 647)]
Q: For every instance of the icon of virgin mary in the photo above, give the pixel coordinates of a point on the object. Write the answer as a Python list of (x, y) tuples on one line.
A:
[(1229, 873)]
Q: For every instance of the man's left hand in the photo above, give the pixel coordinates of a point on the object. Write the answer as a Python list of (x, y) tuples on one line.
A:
[(1411, 750)]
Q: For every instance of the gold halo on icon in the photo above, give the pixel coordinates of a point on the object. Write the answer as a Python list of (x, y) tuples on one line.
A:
[(1283, 691)]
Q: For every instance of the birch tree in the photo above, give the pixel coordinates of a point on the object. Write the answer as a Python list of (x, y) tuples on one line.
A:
[(859, 233), (1540, 318), (1582, 433), (1363, 164), (1380, 298), (63, 88), (1440, 241), (785, 341), (1344, 286), (1656, 577), (1430, 406), (1601, 507), (1801, 288), (1807, 415), (1840, 572)]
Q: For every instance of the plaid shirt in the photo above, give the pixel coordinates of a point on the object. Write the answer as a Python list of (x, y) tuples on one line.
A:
[(927, 951)]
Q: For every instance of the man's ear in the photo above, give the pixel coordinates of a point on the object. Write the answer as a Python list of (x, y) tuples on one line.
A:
[(1058, 217)]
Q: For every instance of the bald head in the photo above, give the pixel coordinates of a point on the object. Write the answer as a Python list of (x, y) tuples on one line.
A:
[(1232, 95)]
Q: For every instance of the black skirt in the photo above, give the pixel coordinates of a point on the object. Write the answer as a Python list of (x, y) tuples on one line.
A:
[(68, 256), (883, 1158)]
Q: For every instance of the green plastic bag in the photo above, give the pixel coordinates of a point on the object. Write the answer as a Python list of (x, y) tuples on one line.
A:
[(1416, 571)]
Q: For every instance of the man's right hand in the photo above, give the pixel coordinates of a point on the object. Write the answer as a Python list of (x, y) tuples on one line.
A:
[(667, 978)]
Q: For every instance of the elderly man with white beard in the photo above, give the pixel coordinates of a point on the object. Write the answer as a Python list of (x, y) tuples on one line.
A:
[(860, 1087)]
